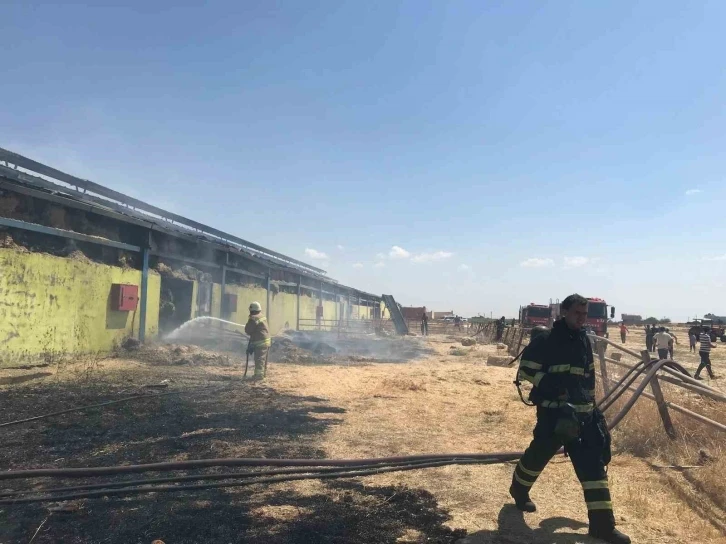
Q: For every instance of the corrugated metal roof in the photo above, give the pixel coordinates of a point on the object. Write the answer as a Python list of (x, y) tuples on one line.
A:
[(50, 183)]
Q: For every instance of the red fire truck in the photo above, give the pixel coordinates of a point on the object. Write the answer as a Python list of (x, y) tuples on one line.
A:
[(597, 316), (535, 314)]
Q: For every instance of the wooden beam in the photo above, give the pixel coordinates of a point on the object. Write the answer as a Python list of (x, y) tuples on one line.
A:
[(660, 401)]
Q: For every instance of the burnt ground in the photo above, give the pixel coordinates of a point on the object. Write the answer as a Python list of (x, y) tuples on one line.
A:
[(217, 415)]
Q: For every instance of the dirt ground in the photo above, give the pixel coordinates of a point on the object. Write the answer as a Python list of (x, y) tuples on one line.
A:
[(439, 402)]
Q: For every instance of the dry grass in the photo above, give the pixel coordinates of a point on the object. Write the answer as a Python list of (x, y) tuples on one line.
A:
[(448, 403), (641, 434), (458, 404)]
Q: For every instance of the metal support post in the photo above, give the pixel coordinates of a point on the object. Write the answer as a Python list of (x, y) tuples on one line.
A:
[(320, 303), (144, 294), (222, 309), (299, 288), (269, 321)]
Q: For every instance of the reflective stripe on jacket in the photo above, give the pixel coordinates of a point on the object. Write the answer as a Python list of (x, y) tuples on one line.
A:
[(561, 367)]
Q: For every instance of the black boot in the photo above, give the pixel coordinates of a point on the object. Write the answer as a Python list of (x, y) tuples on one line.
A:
[(613, 536), (521, 498), (602, 526)]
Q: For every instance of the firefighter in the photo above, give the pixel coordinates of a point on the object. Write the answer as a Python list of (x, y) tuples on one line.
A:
[(260, 342), (560, 366), (500, 328)]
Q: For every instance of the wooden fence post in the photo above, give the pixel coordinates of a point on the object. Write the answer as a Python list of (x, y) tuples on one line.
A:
[(658, 394), (519, 343), (603, 367)]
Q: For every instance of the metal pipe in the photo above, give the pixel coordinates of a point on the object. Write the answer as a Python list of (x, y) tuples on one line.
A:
[(63, 233), (183, 259), (611, 398), (273, 479), (144, 295), (246, 273), (128, 214), (299, 288), (235, 462), (98, 189), (233, 475), (694, 382), (613, 344), (222, 309), (639, 390), (683, 381), (684, 411)]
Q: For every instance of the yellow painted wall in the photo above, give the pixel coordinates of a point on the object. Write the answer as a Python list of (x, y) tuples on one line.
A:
[(51, 306), (283, 309), (245, 295)]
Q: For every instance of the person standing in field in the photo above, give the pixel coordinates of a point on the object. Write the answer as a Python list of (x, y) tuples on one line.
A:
[(705, 353), (662, 341), (623, 331), (260, 342), (692, 339), (648, 338), (424, 324), (673, 341), (500, 329)]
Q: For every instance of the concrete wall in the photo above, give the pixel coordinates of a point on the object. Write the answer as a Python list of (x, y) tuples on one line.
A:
[(283, 311), (51, 306)]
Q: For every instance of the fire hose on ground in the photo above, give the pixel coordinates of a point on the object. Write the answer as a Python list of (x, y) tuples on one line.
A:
[(296, 469)]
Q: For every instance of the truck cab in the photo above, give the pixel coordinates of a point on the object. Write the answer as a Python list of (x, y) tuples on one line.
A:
[(597, 316)]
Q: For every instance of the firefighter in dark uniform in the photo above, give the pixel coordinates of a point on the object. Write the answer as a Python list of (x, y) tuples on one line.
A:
[(560, 366)]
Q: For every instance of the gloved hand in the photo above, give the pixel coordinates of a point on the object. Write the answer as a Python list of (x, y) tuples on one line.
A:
[(250, 349)]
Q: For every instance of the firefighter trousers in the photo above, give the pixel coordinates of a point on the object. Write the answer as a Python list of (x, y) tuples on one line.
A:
[(261, 353), (590, 454)]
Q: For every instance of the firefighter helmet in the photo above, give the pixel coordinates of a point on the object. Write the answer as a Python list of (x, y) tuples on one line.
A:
[(537, 331), (255, 307)]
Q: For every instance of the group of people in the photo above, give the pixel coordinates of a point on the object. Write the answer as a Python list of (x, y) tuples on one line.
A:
[(662, 340)]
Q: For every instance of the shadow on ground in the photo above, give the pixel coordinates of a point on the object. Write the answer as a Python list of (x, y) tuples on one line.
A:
[(240, 420), (513, 529)]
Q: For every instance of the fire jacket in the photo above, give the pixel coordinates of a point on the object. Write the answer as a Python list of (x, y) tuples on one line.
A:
[(561, 368), (256, 328)]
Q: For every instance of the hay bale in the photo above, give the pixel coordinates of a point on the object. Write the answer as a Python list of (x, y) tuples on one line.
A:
[(498, 360), (468, 342)]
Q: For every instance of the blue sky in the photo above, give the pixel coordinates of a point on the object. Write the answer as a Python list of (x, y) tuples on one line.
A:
[(513, 152)]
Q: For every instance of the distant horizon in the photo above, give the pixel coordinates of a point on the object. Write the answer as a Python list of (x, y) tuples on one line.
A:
[(466, 155), (491, 316)]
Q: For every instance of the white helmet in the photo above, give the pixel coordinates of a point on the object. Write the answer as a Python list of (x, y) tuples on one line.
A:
[(255, 307)]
